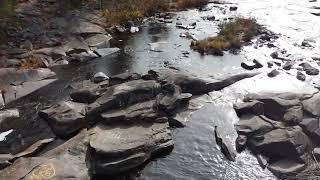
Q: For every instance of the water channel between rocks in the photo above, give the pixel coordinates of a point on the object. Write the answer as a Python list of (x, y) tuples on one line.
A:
[(195, 155)]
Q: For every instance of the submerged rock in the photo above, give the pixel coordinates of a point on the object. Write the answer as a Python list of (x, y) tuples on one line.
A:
[(124, 77), (300, 76), (129, 146), (286, 166), (106, 51), (273, 73)]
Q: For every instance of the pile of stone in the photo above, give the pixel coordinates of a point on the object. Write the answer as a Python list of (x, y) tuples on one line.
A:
[(111, 124), (280, 129)]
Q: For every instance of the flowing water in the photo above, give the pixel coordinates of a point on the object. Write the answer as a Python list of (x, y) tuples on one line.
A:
[(196, 155)]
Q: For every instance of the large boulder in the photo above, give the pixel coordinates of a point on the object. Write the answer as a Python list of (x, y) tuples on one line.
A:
[(289, 143), (120, 148), (65, 118), (123, 95), (312, 105)]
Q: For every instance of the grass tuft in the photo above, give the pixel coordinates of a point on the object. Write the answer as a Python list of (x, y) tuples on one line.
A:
[(232, 36), (184, 4)]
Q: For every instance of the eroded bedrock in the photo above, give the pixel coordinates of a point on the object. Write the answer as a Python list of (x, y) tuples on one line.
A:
[(280, 129), (110, 126)]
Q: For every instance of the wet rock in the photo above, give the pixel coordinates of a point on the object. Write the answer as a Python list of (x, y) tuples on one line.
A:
[(171, 98), (309, 69), (139, 112), (251, 107), (309, 125), (288, 65), (241, 143), (123, 95), (270, 64), (129, 146), (300, 76), (256, 65), (278, 108), (262, 160), (286, 143), (65, 118), (123, 77), (134, 29), (286, 166), (225, 146), (158, 46), (6, 118), (255, 125), (306, 43), (233, 8), (99, 77), (82, 57), (273, 73), (84, 96), (316, 153), (274, 55), (99, 41), (168, 20), (106, 51), (66, 161), (209, 18), (312, 105)]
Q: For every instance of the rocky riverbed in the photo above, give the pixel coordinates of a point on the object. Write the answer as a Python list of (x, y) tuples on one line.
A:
[(262, 101)]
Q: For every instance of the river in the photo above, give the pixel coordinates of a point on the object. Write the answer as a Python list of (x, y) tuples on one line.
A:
[(196, 155)]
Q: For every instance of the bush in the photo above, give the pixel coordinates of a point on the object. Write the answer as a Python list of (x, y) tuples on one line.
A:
[(232, 36), (183, 4)]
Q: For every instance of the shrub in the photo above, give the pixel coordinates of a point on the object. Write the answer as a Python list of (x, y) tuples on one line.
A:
[(183, 4), (232, 36)]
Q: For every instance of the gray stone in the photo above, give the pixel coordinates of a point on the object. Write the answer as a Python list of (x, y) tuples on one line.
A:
[(123, 95), (286, 166), (300, 76), (123, 77), (85, 95), (129, 146), (312, 105), (251, 107), (99, 41), (288, 65), (99, 77), (241, 143), (255, 125), (65, 118), (309, 125), (135, 113), (226, 148), (106, 51), (6, 118), (309, 69), (287, 143), (84, 27), (273, 73), (316, 153)]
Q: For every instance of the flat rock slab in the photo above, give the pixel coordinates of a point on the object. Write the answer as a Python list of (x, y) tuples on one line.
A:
[(106, 51), (65, 118), (68, 161), (84, 27), (120, 148), (99, 41)]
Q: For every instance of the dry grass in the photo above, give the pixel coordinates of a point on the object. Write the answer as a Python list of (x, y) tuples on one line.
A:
[(183, 4), (32, 62), (126, 10), (232, 36)]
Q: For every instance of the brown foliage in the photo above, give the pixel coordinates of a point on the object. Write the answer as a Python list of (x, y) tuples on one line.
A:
[(232, 35)]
